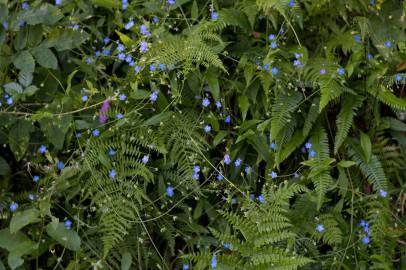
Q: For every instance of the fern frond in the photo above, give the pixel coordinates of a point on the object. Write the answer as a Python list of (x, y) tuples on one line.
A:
[(387, 97)]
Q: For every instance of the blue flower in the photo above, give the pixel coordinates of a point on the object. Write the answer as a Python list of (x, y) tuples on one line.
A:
[(205, 102), (220, 177), (218, 104), (323, 71), (153, 97), (85, 98), (297, 63), (185, 266), (341, 71), (121, 56), (13, 206), (213, 262), (383, 193), (227, 119), (124, 4), (5, 25), (227, 245), (196, 168), (273, 146), (143, 29), (207, 128), (31, 197), (214, 16), (129, 25), (25, 5), (363, 223), (398, 77), (252, 196), (312, 153), (365, 240), (10, 101), (274, 71), (169, 191), (291, 3), (237, 162), (248, 169), (120, 47), (58, 2), (265, 67), (97, 53), (129, 59), (122, 97), (96, 133), (296, 175), (143, 46), (357, 38), (35, 178), (145, 159), (273, 175), (320, 228), (271, 37), (171, 2), (106, 52), (68, 224), (119, 116), (152, 67), (106, 40), (112, 173), (89, 60), (227, 159), (234, 200), (155, 19), (388, 44), (42, 149), (195, 176), (137, 69), (261, 198), (111, 152), (308, 145), (162, 67), (273, 45), (60, 165)]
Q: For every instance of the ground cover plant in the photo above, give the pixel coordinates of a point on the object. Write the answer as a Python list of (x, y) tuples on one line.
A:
[(194, 134)]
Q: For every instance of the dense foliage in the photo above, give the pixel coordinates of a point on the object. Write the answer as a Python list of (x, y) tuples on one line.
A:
[(193, 134)]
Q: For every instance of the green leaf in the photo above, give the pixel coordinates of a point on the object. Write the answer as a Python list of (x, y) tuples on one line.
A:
[(45, 57), (4, 167), (19, 137), (18, 244), (212, 80), (107, 3), (366, 146), (45, 14), (25, 79), (65, 39), (346, 163), (244, 105), (55, 129), (67, 238), (24, 218), (157, 119), (13, 88), (126, 261), (195, 11), (219, 137), (30, 90), (24, 62)]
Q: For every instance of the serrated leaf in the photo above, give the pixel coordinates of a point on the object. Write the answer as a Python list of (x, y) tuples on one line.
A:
[(243, 104), (18, 244), (45, 57), (366, 146), (19, 137), (24, 218), (13, 88), (67, 238), (126, 261), (25, 62), (55, 129)]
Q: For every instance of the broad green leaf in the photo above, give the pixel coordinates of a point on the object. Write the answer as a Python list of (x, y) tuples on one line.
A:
[(67, 238), (4, 167), (24, 62), (157, 119), (20, 40), (212, 80), (126, 40), (13, 88), (24, 218), (69, 81), (45, 57), (65, 39), (45, 14), (30, 90), (55, 129), (244, 104), (25, 79), (19, 137), (346, 163), (366, 146), (126, 261), (219, 137), (195, 11), (246, 135), (18, 244)]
